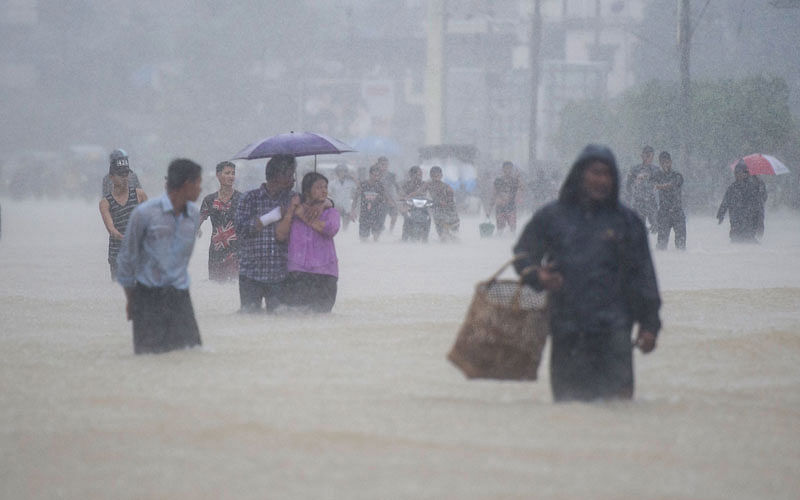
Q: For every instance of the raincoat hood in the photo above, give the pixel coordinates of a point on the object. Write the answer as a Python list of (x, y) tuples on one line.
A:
[(571, 189), (741, 168)]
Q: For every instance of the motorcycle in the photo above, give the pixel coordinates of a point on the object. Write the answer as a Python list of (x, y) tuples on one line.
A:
[(417, 219)]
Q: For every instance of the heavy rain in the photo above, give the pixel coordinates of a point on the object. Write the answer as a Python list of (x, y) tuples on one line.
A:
[(362, 401)]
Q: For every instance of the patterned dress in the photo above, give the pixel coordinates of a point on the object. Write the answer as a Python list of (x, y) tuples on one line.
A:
[(119, 216), (223, 257)]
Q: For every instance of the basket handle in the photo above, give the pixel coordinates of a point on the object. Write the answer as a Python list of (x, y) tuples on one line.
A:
[(518, 292), (504, 266)]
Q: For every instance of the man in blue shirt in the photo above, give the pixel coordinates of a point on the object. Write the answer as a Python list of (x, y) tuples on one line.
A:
[(153, 260)]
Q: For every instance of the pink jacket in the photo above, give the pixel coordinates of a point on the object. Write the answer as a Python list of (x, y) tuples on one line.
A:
[(313, 252)]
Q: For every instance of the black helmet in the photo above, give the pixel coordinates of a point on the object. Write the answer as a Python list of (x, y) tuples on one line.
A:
[(118, 158), (118, 162)]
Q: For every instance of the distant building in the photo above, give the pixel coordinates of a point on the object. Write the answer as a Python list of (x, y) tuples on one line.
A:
[(586, 53)]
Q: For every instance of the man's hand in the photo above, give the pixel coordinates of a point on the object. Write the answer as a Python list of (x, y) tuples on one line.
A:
[(312, 212), (128, 299), (270, 217), (645, 341), (550, 279)]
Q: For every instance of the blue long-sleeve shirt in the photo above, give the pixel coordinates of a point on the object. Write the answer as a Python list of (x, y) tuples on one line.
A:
[(158, 244)]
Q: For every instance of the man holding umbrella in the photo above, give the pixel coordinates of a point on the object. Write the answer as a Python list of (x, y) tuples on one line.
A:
[(263, 215), (262, 223), (262, 258)]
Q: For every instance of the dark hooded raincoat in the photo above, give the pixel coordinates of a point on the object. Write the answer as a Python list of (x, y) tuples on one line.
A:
[(744, 200), (602, 252)]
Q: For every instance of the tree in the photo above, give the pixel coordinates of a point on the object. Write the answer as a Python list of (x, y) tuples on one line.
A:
[(731, 118), (729, 40)]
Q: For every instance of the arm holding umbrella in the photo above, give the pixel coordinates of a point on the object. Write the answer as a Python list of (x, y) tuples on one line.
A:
[(285, 224)]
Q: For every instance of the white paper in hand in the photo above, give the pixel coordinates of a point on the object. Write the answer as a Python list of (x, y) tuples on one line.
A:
[(273, 215)]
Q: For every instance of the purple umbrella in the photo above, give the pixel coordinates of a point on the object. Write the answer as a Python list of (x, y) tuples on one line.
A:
[(301, 144)]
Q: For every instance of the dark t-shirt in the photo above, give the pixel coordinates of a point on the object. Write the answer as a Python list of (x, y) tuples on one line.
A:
[(373, 198), (669, 198)]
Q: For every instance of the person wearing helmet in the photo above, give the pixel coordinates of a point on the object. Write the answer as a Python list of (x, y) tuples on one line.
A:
[(117, 205), (133, 180)]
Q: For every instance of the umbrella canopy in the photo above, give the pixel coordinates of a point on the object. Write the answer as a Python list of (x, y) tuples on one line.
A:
[(759, 164), (292, 144), (377, 145)]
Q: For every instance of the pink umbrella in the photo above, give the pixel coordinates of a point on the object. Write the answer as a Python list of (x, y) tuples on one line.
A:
[(758, 164)]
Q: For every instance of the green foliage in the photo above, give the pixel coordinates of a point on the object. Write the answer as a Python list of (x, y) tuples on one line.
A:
[(731, 119), (728, 119), (583, 122)]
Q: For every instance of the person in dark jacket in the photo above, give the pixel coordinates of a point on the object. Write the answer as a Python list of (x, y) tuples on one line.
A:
[(744, 199), (670, 207), (591, 253)]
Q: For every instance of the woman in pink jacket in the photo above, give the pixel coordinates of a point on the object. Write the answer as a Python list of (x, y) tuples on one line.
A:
[(312, 263)]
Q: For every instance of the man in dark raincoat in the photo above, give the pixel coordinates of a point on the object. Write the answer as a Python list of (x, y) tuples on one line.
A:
[(744, 199), (591, 253)]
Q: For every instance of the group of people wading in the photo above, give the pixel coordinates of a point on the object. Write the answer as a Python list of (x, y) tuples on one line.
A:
[(587, 249), (654, 193)]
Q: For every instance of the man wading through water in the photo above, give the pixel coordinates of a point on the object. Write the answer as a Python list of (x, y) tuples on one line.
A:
[(591, 253), (153, 262)]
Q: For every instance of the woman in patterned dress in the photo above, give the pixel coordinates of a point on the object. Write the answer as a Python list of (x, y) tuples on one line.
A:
[(223, 260)]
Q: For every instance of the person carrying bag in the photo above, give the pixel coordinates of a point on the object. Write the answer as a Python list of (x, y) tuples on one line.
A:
[(504, 332)]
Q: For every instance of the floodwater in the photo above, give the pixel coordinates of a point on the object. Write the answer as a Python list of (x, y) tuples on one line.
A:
[(363, 404)]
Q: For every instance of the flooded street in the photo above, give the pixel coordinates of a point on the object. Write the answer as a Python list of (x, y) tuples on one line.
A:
[(363, 404)]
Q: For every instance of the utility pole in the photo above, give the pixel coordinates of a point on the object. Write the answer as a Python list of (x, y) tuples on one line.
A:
[(534, 49), (684, 99), (434, 73)]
